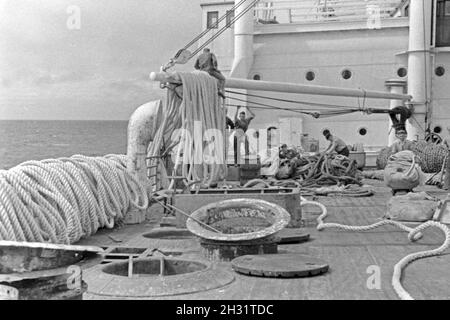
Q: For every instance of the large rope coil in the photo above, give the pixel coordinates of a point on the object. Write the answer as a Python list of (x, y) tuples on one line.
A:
[(431, 156), (63, 200), (414, 234)]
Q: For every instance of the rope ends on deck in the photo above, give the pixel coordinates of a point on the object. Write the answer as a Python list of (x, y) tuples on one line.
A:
[(414, 234)]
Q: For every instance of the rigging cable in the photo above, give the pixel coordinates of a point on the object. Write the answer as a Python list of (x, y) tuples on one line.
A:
[(236, 6), (223, 29), (185, 59), (317, 113), (274, 108), (291, 101)]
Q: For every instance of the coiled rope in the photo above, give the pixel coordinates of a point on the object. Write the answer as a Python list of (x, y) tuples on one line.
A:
[(414, 234), (63, 200)]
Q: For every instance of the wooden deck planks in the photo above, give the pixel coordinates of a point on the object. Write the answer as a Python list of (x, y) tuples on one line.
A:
[(348, 254)]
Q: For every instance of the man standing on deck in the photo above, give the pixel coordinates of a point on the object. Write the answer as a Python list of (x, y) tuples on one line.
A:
[(336, 144), (241, 124), (207, 61)]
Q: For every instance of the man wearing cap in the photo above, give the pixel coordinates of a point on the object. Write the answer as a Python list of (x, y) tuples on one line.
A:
[(336, 144)]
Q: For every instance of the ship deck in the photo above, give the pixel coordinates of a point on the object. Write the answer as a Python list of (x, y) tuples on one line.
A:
[(351, 257)]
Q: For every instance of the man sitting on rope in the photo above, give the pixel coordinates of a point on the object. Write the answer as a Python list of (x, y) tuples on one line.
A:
[(207, 61), (336, 144)]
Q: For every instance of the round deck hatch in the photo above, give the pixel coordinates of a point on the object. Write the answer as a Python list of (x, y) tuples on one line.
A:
[(155, 278), (285, 265), (153, 267), (238, 220)]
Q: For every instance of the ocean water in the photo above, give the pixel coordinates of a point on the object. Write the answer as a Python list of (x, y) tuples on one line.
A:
[(21, 141)]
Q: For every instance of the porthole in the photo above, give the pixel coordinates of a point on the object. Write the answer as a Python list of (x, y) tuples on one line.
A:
[(310, 76), (437, 129), (440, 71), (346, 74), (402, 72), (362, 131), (257, 77)]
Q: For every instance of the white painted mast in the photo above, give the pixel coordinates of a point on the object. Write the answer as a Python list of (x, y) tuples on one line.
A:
[(419, 65)]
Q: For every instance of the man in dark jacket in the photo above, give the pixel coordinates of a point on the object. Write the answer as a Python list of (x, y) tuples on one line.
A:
[(207, 61), (229, 123), (404, 114), (241, 124)]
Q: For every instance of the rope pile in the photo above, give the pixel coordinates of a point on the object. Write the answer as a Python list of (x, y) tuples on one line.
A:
[(325, 170), (343, 191), (413, 235), (63, 200), (431, 156)]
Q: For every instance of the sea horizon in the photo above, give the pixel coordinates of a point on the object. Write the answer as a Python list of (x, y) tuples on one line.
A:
[(23, 140)]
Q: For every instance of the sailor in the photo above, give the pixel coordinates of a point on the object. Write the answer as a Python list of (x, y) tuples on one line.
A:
[(207, 61), (283, 151), (241, 125), (404, 113), (229, 123), (401, 144), (336, 144)]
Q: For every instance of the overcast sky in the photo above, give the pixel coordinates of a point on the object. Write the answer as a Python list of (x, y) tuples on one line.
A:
[(50, 71)]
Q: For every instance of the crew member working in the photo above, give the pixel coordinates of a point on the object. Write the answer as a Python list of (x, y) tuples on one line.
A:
[(336, 144), (207, 61), (241, 124)]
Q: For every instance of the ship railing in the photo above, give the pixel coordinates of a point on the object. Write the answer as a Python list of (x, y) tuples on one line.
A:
[(153, 173), (288, 11)]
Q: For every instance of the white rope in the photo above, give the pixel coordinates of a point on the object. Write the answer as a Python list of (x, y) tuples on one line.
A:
[(413, 235), (397, 276), (63, 200), (201, 105)]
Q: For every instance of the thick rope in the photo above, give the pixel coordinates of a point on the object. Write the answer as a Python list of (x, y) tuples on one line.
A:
[(201, 105), (414, 234), (63, 200)]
